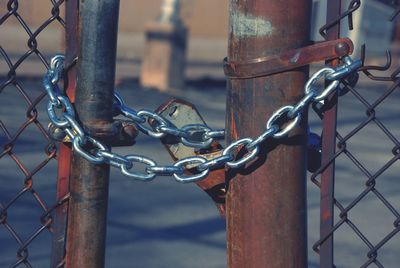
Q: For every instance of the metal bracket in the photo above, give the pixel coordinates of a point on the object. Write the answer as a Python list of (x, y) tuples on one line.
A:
[(123, 134), (288, 60), (181, 113)]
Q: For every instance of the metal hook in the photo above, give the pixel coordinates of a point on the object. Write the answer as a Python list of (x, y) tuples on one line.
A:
[(353, 6), (367, 68), (394, 14)]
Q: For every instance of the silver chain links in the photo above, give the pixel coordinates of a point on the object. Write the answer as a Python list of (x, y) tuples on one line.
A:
[(188, 135), (282, 121)]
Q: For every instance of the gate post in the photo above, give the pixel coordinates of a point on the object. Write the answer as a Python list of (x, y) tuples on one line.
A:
[(328, 150), (266, 201), (87, 217), (65, 155)]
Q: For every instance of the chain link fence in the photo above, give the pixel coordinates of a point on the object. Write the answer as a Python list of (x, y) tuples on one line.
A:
[(29, 176), (28, 156), (365, 158)]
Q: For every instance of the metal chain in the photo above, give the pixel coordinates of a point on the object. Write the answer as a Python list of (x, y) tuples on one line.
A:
[(188, 134), (281, 122)]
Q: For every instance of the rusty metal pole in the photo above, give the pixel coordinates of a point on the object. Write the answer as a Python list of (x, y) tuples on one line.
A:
[(266, 201), (328, 151), (86, 234), (65, 155)]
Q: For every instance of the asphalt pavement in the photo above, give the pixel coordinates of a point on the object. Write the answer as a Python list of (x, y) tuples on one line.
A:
[(166, 224)]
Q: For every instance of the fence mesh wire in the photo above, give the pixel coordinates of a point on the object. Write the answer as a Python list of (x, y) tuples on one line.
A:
[(28, 169), (370, 216)]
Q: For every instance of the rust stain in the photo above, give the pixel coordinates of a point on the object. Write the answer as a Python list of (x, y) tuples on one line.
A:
[(234, 133)]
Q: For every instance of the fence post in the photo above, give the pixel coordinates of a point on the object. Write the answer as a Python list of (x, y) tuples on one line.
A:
[(328, 151), (266, 201), (86, 234), (65, 155)]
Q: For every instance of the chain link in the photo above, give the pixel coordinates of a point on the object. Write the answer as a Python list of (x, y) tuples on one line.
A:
[(312, 87), (158, 120), (196, 130), (278, 115), (193, 177), (189, 169), (136, 175), (188, 134), (247, 157)]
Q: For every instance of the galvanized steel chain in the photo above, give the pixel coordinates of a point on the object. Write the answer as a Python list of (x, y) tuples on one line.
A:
[(188, 134), (281, 122)]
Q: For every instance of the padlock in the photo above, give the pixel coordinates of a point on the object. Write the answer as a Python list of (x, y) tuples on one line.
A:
[(181, 113), (314, 155)]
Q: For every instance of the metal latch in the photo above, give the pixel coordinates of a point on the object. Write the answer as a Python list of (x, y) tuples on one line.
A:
[(288, 60), (181, 113), (124, 134)]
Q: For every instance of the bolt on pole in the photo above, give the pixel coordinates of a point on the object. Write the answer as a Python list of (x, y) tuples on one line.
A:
[(266, 201), (86, 231)]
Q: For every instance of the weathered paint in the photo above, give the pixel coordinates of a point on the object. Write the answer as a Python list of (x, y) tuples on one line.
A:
[(87, 216), (247, 25), (65, 155), (266, 199)]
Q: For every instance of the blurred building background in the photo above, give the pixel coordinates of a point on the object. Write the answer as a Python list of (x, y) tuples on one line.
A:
[(207, 23), (205, 18)]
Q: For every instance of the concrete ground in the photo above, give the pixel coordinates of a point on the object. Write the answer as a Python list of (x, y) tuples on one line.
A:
[(166, 224)]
